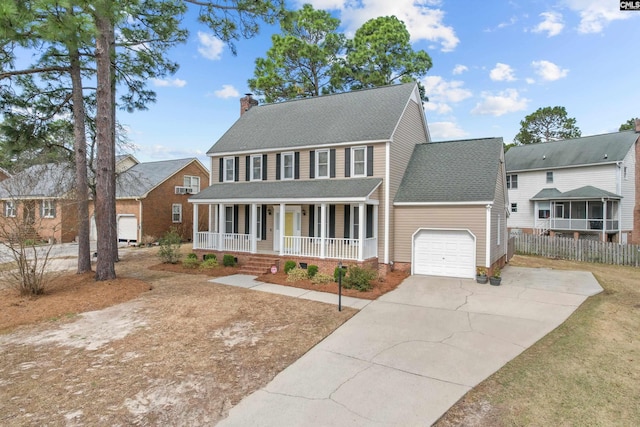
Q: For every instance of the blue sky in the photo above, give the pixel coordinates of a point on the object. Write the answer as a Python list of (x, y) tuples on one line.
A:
[(493, 63)]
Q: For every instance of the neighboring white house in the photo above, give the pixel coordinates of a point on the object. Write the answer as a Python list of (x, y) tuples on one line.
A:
[(582, 187)]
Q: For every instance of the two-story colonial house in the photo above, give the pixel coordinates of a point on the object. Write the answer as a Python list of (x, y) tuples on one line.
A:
[(315, 180), (583, 187)]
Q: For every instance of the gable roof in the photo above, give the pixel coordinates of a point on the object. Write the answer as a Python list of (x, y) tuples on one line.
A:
[(359, 116), (452, 171), (582, 193), (588, 150), (138, 180)]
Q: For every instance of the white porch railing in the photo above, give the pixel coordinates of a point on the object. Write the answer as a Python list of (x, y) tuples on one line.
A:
[(370, 247), (230, 241), (206, 240)]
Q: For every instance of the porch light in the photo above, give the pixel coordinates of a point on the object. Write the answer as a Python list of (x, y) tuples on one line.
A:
[(269, 211), (304, 212)]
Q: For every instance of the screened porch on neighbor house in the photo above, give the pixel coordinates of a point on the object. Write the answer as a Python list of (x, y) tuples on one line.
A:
[(326, 219), (586, 209)]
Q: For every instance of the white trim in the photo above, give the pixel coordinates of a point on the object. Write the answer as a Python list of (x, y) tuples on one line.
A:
[(563, 167), (255, 156), (173, 220), (301, 147), (334, 201), (225, 169), (353, 162), (317, 163), (485, 202), (387, 209), (413, 242), (191, 177), (293, 166), (487, 254)]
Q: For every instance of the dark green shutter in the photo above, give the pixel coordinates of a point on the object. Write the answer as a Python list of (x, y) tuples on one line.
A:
[(312, 213), (347, 221)]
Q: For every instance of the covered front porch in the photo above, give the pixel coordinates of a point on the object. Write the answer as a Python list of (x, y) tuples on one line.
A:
[(587, 209), (306, 222)]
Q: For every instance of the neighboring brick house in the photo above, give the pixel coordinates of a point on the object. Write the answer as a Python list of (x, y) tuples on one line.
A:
[(315, 180), (583, 188), (150, 199)]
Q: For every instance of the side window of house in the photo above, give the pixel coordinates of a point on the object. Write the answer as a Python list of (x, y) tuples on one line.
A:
[(176, 213), (192, 182), (514, 207), (9, 209), (549, 177), (48, 209), (512, 181)]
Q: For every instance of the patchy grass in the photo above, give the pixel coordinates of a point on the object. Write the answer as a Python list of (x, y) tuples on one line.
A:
[(586, 372)]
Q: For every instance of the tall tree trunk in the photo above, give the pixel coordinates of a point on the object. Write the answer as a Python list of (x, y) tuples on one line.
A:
[(105, 164), (80, 150), (112, 53)]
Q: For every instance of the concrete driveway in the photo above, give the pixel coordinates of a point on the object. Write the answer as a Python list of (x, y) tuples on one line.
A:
[(407, 357)]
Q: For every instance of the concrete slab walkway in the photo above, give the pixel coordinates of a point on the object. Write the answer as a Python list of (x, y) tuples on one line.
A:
[(407, 357)]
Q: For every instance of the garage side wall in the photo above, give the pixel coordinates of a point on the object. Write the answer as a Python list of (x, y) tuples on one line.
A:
[(411, 218)]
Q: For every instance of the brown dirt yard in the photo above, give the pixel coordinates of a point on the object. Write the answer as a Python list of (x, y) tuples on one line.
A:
[(150, 348)]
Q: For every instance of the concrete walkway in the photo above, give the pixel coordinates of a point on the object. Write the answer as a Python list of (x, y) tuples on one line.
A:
[(407, 357)]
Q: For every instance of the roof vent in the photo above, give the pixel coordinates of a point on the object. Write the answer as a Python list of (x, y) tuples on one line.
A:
[(605, 156), (544, 157)]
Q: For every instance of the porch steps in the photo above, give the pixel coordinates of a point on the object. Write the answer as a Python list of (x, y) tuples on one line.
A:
[(258, 265)]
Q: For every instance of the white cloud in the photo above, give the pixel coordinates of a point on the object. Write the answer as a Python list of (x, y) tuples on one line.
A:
[(551, 24), (596, 14), (210, 46), (507, 101), (529, 80), (446, 130), (501, 25), (459, 69), (548, 70), (502, 72), (227, 91), (441, 93), (423, 18), (169, 82)]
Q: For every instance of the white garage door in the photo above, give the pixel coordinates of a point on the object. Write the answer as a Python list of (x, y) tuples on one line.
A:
[(93, 231), (127, 228), (444, 253)]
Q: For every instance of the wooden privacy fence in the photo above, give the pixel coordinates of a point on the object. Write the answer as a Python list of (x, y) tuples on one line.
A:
[(578, 250)]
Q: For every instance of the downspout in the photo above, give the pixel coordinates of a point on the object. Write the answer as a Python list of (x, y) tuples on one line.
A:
[(387, 174), (488, 237)]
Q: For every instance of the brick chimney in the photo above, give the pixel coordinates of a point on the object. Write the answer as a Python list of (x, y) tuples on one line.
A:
[(247, 102)]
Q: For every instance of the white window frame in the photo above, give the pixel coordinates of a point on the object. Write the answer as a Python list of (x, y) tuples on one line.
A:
[(176, 209), (624, 170), (511, 181), (318, 164), (192, 182), (259, 222), (514, 207), (229, 170), (283, 168), (10, 209), (48, 209), (549, 177), (252, 174), (354, 162), (228, 219)]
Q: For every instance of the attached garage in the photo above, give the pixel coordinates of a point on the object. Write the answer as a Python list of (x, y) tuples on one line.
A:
[(127, 228), (440, 252)]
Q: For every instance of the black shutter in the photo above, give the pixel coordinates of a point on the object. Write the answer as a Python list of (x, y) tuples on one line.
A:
[(221, 170), (278, 166), (332, 221), (237, 177), (248, 168), (347, 162), (347, 221), (369, 221), (370, 160), (296, 165), (263, 222), (312, 164), (312, 214), (247, 224), (235, 219), (264, 167), (332, 163)]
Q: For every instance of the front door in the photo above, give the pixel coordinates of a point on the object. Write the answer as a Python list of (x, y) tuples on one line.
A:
[(291, 227)]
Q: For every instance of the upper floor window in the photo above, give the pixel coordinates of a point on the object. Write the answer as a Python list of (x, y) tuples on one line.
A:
[(359, 161), (288, 162), (514, 207), (229, 173), (192, 182), (10, 209), (256, 167), (176, 213), (549, 177), (322, 164), (624, 171), (512, 181), (48, 209)]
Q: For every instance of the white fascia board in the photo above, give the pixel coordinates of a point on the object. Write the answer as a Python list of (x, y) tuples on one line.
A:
[(341, 200), (484, 203), (509, 172), (302, 147)]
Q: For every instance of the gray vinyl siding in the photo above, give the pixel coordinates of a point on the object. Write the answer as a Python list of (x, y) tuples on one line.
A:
[(410, 131), (411, 218), (498, 210)]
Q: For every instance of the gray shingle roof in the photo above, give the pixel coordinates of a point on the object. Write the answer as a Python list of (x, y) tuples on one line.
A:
[(453, 171), (606, 148), (143, 177), (50, 180), (275, 191), (582, 193), (365, 115)]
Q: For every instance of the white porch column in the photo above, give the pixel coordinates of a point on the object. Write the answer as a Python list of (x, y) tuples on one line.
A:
[(281, 220), (221, 228), (323, 230), (375, 226), (254, 228), (362, 228), (212, 222), (604, 220), (195, 226)]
